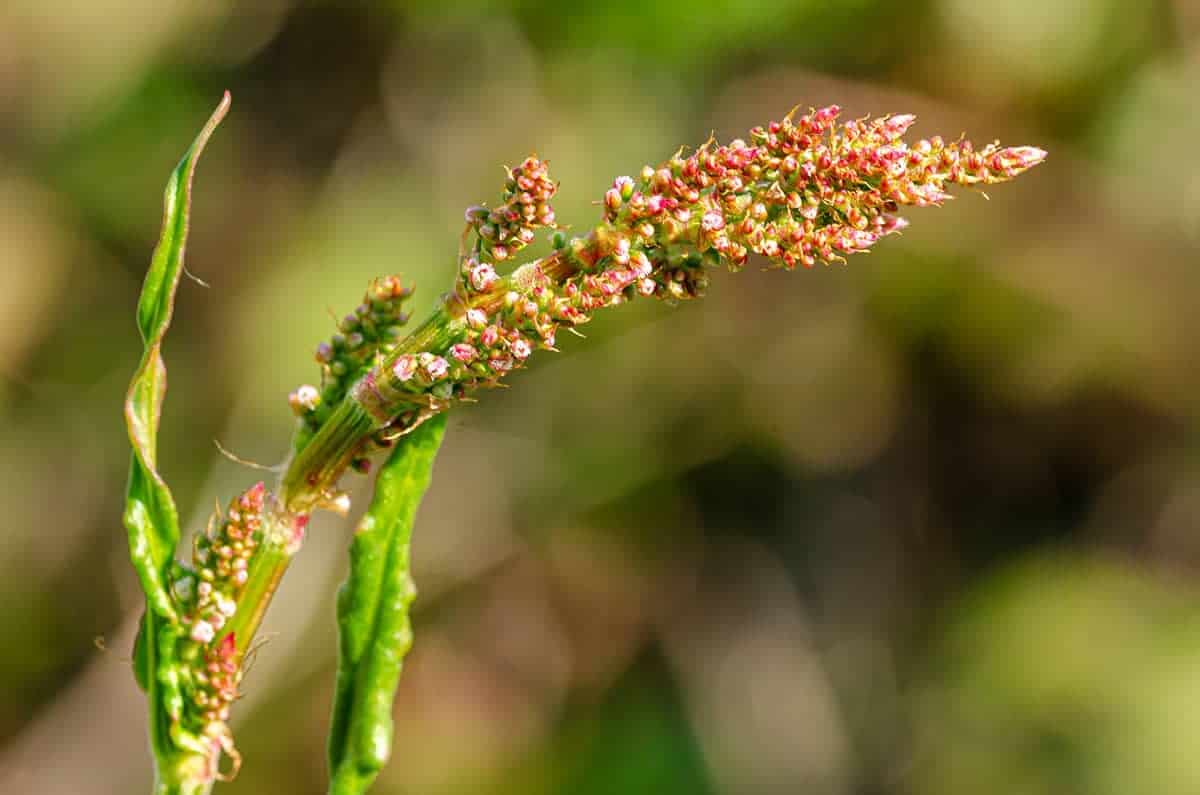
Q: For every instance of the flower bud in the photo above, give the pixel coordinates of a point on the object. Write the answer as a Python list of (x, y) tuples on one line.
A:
[(483, 276), (405, 368), (436, 367), (304, 399), (202, 632), (463, 352)]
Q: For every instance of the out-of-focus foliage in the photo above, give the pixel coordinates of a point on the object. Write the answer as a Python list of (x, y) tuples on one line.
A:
[(924, 524)]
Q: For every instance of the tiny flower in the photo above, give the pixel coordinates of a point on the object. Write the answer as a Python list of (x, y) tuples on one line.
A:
[(304, 399), (621, 251), (226, 606), (463, 352), (405, 367), (624, 187), (476, 318), (521, 349), (896, 126), (202, 632), (641, 264), (1021, 157), (712, 221), (436, 367), (483, 275)]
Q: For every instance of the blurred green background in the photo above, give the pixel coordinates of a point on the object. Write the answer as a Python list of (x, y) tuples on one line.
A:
[(928, 524)]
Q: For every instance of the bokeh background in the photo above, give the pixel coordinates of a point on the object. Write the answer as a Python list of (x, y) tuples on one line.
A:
[(928, 524)]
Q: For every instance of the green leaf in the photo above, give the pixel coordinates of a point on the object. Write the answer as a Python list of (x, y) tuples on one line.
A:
[(372, 608), (151, 518)]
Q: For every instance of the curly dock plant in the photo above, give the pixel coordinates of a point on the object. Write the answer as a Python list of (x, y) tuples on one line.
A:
[(797, 192)]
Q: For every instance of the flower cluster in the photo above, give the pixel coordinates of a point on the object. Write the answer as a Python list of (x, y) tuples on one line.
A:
[(373, 328), (208, 597), (799, 191), (502, 231), (220, 556)]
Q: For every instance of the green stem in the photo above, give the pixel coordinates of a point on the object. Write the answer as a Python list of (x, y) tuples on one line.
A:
[(264, 574), (314, 470)]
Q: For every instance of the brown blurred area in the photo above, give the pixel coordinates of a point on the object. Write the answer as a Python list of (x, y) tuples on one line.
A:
[(928, 524)]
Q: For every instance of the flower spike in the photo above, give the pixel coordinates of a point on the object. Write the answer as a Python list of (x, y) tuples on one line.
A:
[(796, 192)]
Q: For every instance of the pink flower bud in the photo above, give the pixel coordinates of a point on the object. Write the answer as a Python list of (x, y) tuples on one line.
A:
[(1021, 157), (621, 251), (641, 264), (895, 126), (405, 368), (436, 367), (825, 116), (463, 352), (521, 349), (483, 275), (712, 221), (476, 318)]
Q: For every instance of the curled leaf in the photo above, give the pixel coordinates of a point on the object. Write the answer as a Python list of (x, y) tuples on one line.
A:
[(151, 518)]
